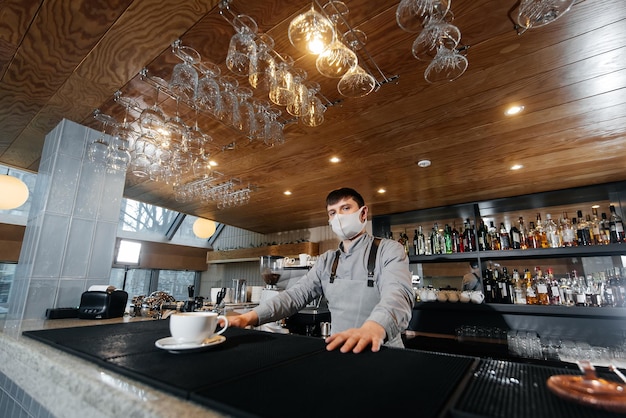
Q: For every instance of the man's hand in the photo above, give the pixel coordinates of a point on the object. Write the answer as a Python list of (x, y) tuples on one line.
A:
[(357, 339), (241, 321)]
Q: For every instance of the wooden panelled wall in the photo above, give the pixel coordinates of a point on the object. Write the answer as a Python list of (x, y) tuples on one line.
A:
[(11, 237)]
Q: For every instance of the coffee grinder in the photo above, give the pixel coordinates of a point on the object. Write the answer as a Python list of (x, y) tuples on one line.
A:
[(271, 270)]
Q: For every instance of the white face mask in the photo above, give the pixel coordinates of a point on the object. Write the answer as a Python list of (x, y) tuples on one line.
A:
[(347, 226)]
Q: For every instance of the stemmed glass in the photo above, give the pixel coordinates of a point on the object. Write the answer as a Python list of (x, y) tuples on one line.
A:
[(315, 117), (152, 119), (262, 70), (242, 49), (448, 65), (336, 60), (247, 118), (184, 79), (281, 89), (356, 83), (208, 90), (311, 32), (175, 131), (412, 15), (537, 13), (98, 150), (229, 104), (436, 33)]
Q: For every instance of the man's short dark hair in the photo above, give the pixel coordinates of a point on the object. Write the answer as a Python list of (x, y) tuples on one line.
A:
[(344, 193)]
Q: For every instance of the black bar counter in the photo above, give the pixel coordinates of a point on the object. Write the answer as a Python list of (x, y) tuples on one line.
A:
[(259, 374)]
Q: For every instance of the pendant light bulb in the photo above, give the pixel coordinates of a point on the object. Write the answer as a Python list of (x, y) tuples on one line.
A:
[(311, 32), (204, 228)]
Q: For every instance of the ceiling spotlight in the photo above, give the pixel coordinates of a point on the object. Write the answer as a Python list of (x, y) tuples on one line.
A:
[(335, 159), (514, 110), (423, 163), (381, 190), (516, 166), (287, 193)]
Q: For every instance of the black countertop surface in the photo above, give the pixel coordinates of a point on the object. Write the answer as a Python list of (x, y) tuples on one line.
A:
[(259, 374)]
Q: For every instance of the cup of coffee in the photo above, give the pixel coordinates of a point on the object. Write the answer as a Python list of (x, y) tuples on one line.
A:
[(194, 327), (304, 259)]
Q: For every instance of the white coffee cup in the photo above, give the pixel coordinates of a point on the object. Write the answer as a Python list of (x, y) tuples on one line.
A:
[(304, 259), (465, 296), (194, 327)]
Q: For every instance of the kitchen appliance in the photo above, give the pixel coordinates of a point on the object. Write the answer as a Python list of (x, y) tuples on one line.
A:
[(101, 302), (271, 270)]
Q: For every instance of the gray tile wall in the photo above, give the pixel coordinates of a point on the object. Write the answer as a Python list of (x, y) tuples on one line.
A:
[(15, 403)]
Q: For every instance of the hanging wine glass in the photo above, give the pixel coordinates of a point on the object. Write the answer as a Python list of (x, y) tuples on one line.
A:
[(311, 32), (355, 38), (336, 60), (281, 89), (412, 15), (184, 80), (435, 34), (356, 83), (448, 65), (98, 149), (246, 117), (208, 90), (262, 70), (537, 13), (175, 131), (229, 104), (315, 117), (242, 49), (152, 119)]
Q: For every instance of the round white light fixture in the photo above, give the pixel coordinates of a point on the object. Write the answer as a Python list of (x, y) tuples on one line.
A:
[(204, 228), (13, 192), (423, 163)]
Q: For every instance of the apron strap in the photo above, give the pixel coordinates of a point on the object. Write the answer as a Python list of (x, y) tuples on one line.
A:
[(371, 263), (333, 272)]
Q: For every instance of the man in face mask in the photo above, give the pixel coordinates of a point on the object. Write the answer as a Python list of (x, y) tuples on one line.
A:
[(367, 310)]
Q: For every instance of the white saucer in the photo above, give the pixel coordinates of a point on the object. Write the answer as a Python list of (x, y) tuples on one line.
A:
[(170, 344)]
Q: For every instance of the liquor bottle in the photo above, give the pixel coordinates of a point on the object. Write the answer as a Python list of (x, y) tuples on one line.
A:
[(503, 285), (568, 232), (580, 299), (496, 281), (553, 288), (552, 232), (421, 241), (616, 226), (543, 298), (456, 240), (436, 240), (582, 230), (515, 238), (523, 233), (531, 288), (481, 234), (567, 292), (541, 233), (519, 289), (605, 230), (493, 237), (505, 242), (594, 224), (428, 244), (489, 285), (402, 242), (447, 239), (470, 241), (533, 238), (590, 227), (413, 249)]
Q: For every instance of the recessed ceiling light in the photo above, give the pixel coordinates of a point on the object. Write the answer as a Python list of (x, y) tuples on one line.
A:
[(595, 206), (513, 110), (516, 166), (213, 163), (335, 159), (381, 190), (423, 163), (287, 193)]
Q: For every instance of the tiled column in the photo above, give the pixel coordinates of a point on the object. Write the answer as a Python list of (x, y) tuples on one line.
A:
[(70, 234)]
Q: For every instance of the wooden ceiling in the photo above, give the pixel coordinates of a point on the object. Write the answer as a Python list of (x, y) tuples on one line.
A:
[(63, 59)]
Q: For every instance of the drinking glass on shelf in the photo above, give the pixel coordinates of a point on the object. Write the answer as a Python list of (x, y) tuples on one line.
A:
[(336, 60), (356, 83), (242, 49), (207, 95), (184, 80), (412, 15), (448, 65)]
